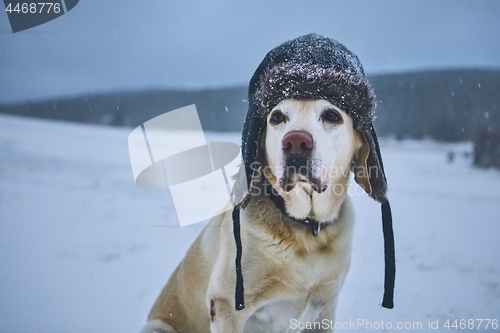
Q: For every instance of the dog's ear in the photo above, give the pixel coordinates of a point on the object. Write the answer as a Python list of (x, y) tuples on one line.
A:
[(360, 165)]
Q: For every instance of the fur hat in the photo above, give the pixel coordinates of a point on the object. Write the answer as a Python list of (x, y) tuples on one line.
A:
[(315, 67)]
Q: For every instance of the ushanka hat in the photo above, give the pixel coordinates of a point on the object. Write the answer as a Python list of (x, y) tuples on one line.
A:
[(307, 68)]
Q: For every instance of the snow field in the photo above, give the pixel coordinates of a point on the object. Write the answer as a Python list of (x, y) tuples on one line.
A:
[(83, 249)]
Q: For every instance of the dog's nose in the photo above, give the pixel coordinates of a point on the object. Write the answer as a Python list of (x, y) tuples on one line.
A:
[(297, 143)]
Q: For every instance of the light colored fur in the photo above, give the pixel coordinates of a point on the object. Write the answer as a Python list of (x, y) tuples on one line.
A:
[(288, 273)]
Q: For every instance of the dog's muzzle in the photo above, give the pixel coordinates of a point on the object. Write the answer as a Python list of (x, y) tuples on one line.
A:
[(299, 165)]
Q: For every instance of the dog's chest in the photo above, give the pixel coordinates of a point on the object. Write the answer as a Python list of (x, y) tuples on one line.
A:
[(283, 316), (307, 294)]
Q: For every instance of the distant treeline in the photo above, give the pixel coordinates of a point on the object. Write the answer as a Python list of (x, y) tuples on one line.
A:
[(444, 105), (220, 109), (449, 105)]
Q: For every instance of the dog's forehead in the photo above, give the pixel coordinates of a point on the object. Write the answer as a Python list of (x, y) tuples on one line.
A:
[(305, 107)]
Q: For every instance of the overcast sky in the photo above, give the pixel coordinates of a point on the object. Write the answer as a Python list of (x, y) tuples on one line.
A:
[(109, 45)]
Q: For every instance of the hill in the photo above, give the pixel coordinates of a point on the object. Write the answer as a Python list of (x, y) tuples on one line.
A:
[(448, 105)]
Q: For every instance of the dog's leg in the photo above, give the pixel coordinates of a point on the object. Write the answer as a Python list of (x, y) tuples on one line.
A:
[(224, 318), (158, 326)]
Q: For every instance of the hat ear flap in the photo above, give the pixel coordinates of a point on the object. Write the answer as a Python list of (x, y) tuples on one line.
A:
[(360, 165), (367, 165), (253, 128), (375, 169)]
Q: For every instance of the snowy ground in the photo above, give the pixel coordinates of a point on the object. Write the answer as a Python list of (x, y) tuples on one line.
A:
[(83, 249)]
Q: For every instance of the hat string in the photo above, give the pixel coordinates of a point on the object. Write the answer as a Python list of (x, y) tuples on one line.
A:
[(389, 252), (239, 294), (390, 261)]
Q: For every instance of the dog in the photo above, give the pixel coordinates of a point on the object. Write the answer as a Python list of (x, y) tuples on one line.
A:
[(293, 227)]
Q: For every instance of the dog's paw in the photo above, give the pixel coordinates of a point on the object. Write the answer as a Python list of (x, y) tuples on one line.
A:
[(158, 326)]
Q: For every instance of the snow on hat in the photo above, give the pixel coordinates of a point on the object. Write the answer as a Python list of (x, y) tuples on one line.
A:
[(316, 67)]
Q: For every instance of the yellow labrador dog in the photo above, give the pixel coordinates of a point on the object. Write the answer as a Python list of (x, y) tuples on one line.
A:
[(294, 227)]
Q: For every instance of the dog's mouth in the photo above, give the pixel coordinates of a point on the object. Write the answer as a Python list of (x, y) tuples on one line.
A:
[(300, 169)]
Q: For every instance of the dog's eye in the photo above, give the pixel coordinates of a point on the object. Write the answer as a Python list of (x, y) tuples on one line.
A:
[(332, 116), (277, 117)]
